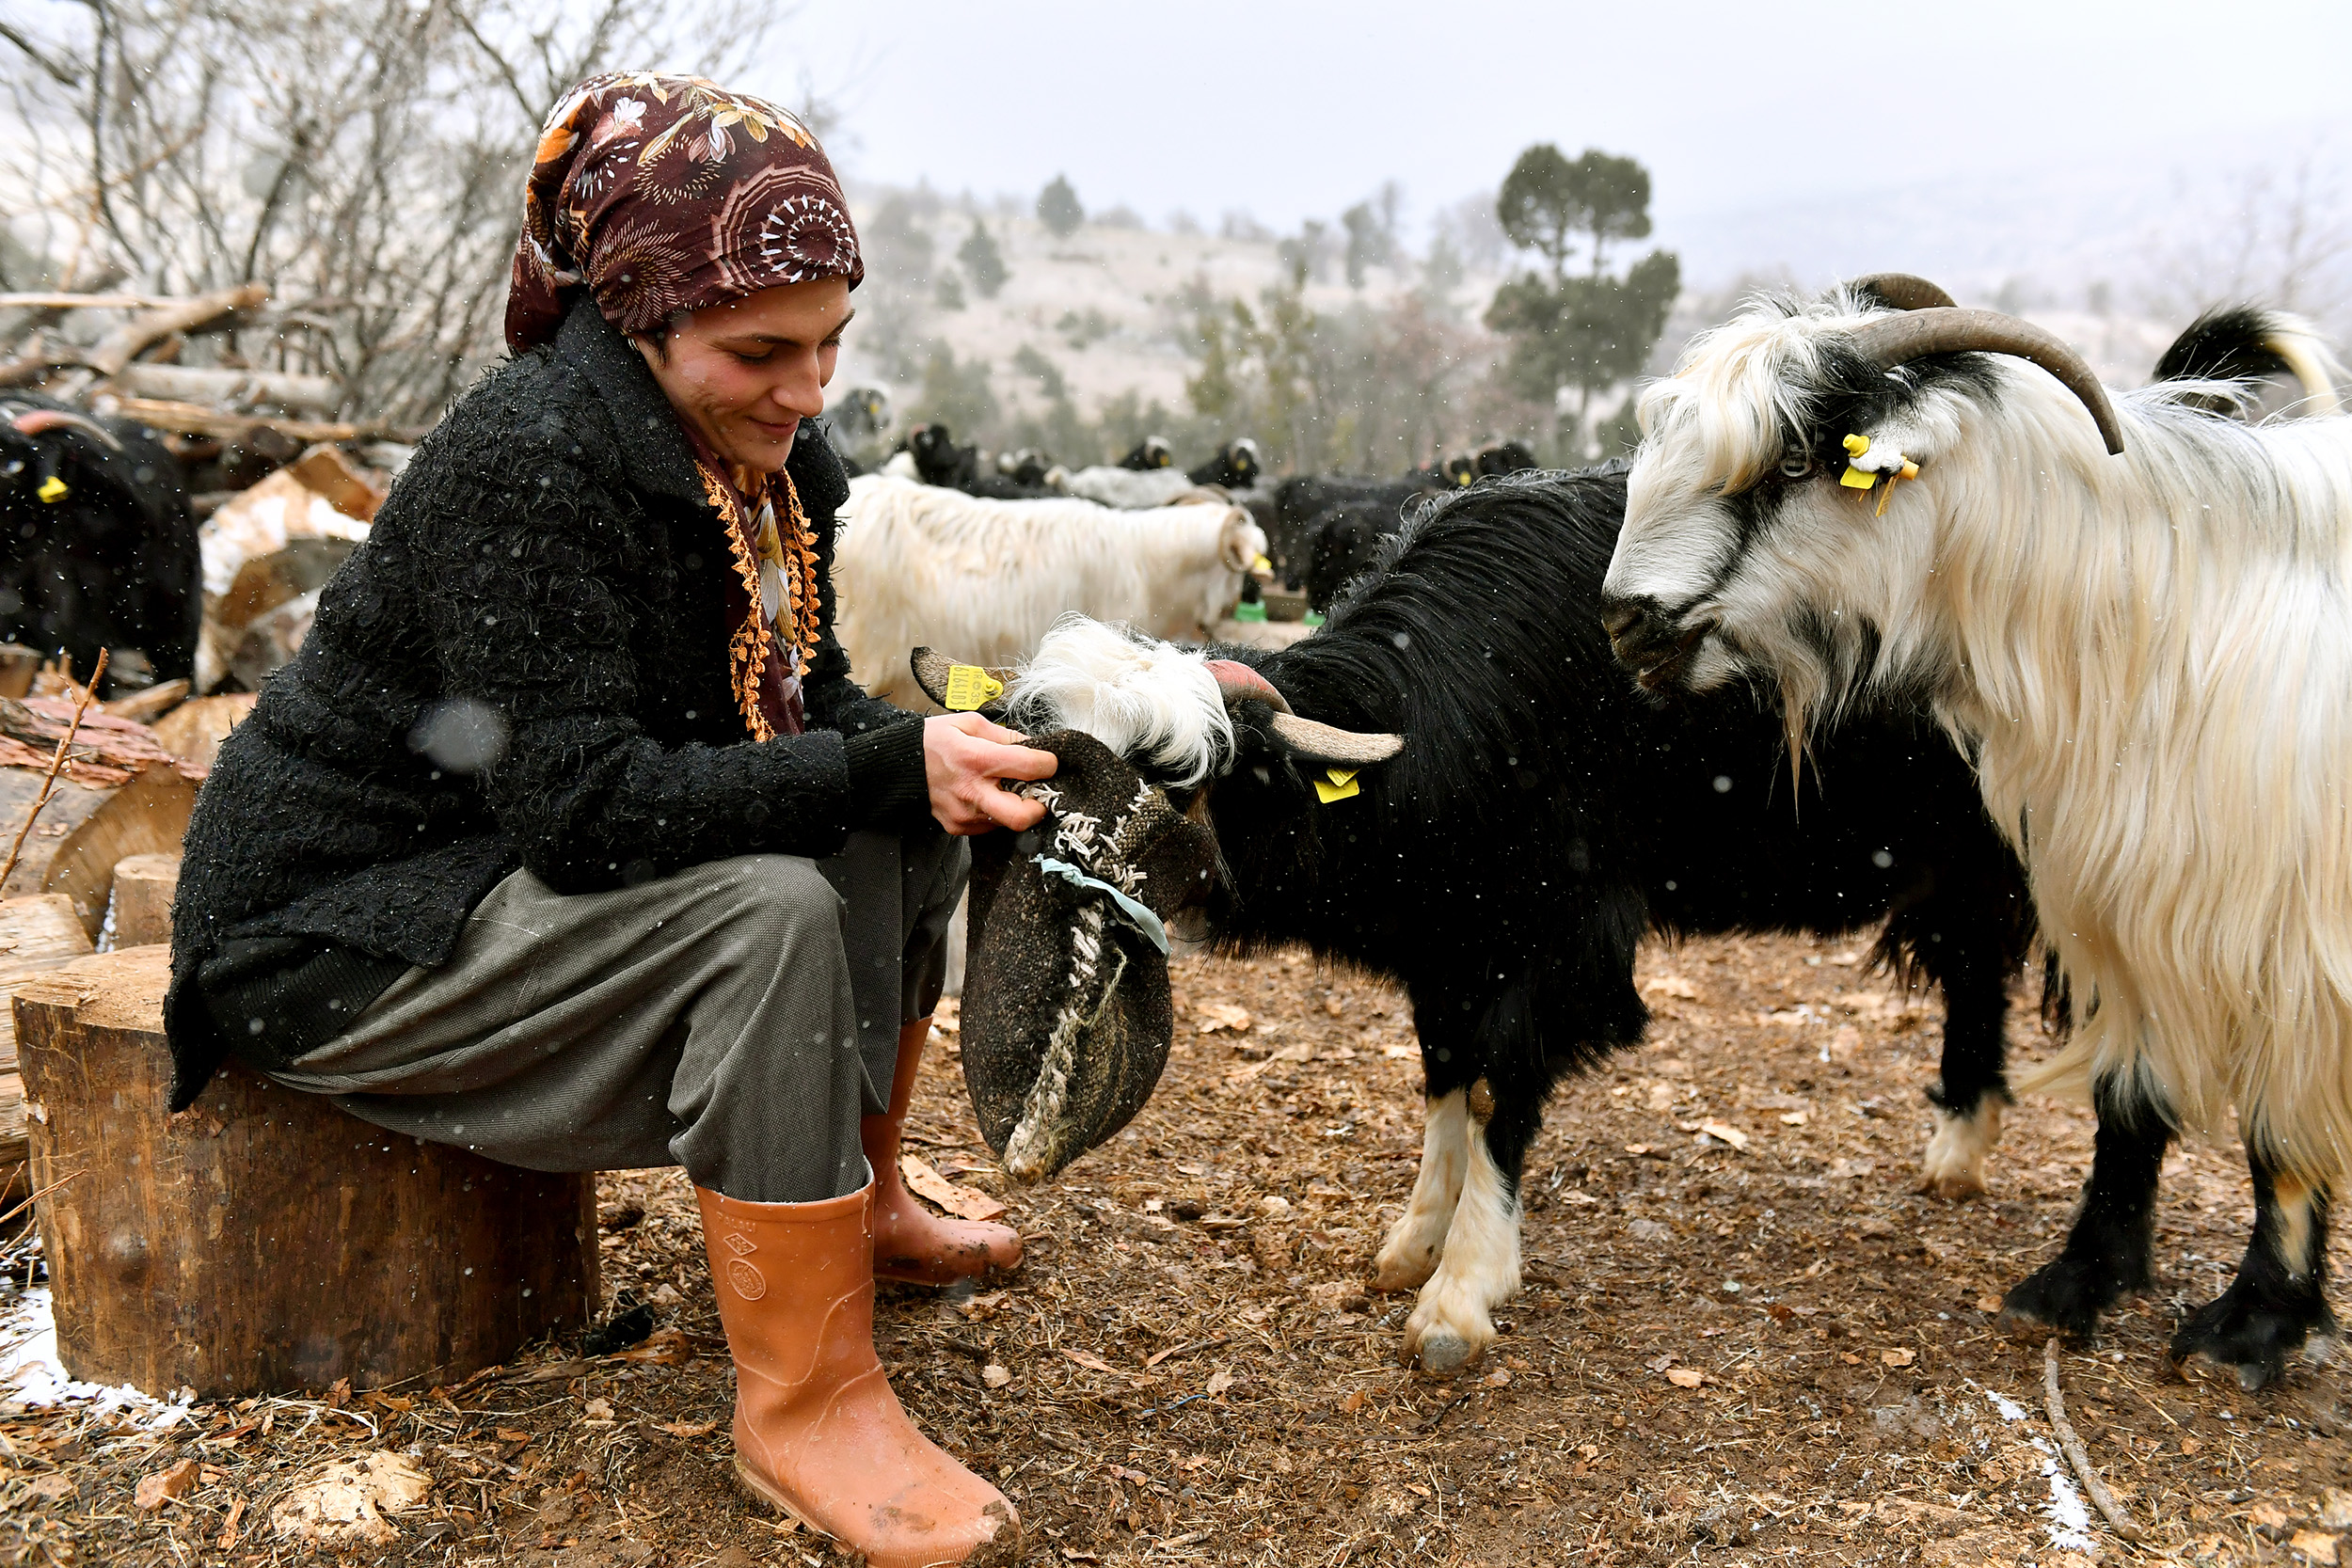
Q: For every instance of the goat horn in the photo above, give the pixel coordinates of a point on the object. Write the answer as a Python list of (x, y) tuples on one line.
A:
[(1903, 291), (1891, 340), (1329, 743), (1236, 680), (39, 420)]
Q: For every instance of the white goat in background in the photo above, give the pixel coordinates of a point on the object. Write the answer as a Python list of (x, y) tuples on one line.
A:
[(917, 566)]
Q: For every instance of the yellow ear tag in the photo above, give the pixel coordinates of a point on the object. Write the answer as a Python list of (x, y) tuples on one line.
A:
[(1855, 445), (1337, 783), (54, 490), (1262, 564), (970, 686), (1857, 479)]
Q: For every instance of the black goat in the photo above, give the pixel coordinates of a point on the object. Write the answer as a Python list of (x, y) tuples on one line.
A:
[(97, 546), (1496, 458), (939, 460), (1026, 468), (1235, 467), (1150, 453), (1542, 817), (1343, 543), (1300, 502)]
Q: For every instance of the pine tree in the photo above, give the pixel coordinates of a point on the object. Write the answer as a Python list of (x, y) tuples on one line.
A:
[(1589, 332), (982, 262), (1057, 207)]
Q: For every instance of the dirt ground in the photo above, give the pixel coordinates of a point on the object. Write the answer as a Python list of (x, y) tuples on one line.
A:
[(1761, 1355)]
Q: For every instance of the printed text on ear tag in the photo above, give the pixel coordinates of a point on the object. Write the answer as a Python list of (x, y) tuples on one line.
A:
[(1337, 783), (970, 686)]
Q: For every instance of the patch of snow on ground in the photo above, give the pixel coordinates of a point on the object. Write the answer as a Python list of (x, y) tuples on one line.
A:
[(2069, 1521), (35, 1377)]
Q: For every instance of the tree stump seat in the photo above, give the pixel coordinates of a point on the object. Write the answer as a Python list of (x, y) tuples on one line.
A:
[(263, 1240)]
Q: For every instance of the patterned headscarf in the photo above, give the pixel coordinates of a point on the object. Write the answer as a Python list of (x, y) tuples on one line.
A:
[(667, 194), (662, 193)]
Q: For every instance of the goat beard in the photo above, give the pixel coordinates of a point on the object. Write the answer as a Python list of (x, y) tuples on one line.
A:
[(1067, 1018)]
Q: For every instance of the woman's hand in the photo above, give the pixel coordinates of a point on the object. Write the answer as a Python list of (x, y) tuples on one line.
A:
[(963, 757)]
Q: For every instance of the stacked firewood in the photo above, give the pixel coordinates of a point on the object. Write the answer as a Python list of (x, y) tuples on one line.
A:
[(279, 489)]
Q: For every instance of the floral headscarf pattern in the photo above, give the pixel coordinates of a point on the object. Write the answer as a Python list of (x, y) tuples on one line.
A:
[(660, 194)]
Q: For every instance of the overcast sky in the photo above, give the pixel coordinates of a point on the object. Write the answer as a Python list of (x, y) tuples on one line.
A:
[(1296, 110)]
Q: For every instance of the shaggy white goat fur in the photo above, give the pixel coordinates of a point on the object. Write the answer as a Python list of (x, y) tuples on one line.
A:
[(2153, 654), (1139, 697), (916, 565), (1129, 487)]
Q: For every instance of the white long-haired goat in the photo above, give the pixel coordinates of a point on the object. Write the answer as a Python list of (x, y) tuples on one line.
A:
[(2142, 621), (917, 566)]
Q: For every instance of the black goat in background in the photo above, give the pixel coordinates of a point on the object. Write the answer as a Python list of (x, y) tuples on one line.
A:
[(98, 549)]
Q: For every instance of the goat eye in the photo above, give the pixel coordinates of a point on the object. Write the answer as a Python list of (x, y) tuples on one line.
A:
[(1796, 462)]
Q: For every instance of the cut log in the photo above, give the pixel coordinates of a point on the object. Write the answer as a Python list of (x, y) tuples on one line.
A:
[(193, 731), (194, 419), (264, 1241), (85, 830), (140, 912), (35, 934), (233, 389), (144, 707), (19, 664), (124, 342), (351, 490), (107, 749), (274, 544)]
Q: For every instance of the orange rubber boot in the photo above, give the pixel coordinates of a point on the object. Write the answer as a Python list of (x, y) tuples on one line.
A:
[(817, 1431), (911, 1245)]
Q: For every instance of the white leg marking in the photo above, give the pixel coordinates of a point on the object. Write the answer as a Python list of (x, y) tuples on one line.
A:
[(1450, 1326), (1409, 1256), (1954, 1165)]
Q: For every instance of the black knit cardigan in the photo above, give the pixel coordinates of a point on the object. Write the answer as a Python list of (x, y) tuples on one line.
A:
[(546, 588)]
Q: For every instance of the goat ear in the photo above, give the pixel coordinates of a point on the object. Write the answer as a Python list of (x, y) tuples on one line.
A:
[(931, 671), (1309, 742)]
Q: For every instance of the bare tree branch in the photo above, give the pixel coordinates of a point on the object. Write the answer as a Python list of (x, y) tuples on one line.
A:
[(64, 75)]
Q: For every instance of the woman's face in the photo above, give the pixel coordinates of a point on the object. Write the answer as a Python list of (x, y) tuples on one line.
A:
[(744, 375)]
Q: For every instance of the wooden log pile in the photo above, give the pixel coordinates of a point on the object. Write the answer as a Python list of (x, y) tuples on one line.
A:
[(267, 546), (128, 368)]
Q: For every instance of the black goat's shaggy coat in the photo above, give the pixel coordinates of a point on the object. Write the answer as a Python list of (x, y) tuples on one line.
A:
[(111, 562), (1544, 815)]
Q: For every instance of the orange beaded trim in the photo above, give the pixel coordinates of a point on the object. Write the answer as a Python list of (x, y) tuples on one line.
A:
[(747, 650)]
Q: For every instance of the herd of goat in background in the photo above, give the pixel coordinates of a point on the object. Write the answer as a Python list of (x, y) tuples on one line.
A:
[(1896, 617)]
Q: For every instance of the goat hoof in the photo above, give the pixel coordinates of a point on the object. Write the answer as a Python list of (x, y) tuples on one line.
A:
[(1445, 1336), (2065, 1295), (1444, 1352), (2250, 1333)]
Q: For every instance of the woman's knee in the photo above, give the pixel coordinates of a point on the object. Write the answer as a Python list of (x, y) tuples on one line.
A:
[(776, 898)]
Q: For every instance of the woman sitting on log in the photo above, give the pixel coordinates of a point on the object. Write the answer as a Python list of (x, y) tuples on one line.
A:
[(569, 837)]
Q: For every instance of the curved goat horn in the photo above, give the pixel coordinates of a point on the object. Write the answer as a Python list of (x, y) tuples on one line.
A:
[(1329, 743), (1892, 340), (1903, 291), (1236, 680), (1307, 737), (35, 421)]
